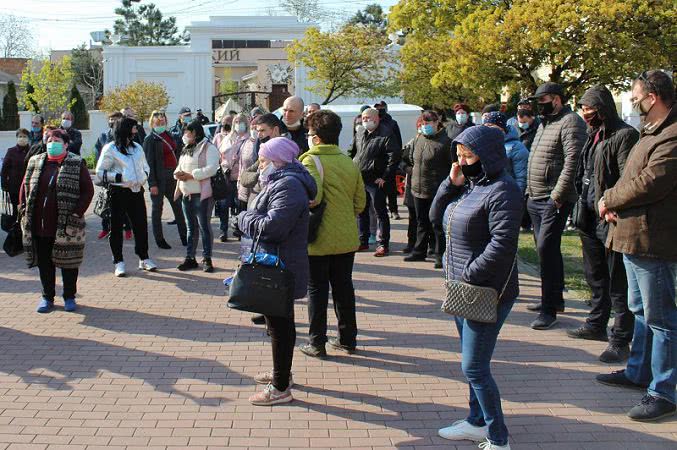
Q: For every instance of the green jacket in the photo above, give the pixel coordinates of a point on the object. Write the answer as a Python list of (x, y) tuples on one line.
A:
[(343, 191)]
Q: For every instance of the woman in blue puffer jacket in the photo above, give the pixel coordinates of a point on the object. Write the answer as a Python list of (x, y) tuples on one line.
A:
[(480, 206), (280, 214)]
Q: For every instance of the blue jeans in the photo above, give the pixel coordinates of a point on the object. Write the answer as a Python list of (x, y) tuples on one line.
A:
[(477, 347), (651, 298), (223, 207), (376, 196), (198, 212)]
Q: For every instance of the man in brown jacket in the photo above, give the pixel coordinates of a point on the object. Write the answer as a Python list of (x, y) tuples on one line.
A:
[(642, 208)]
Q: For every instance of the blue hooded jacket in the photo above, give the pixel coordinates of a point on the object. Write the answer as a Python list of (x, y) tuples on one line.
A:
[(281, 212), (518, 157), (487, 213)]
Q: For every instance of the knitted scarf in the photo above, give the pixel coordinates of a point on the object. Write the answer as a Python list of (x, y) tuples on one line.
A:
[(69, 242)]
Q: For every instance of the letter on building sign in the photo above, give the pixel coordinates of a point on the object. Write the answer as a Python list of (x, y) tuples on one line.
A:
[(221, 56)]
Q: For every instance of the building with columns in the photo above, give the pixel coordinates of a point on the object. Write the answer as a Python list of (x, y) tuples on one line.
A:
[(226, 53)]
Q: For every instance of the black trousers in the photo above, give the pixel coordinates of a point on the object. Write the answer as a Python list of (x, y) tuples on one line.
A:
[(426, 235), (337, 271), (605, 274), (282, 332), (43, 247), (411, 227), (124, 202), (391, 194), (549, 223), (166, 189)]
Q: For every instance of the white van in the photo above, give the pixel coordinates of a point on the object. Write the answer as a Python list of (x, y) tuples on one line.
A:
[(403, 113)]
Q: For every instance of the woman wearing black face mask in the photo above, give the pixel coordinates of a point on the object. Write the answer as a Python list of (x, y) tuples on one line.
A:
[(480, 206)]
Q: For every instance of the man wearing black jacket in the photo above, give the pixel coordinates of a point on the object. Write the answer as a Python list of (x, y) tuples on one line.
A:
[(390, 187), (377, 155), (599, 168)]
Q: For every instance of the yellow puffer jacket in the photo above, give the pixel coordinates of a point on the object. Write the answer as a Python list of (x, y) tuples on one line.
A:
[(343, 191)]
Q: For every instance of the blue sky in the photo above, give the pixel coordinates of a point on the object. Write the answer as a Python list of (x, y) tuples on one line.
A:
[(60, 25)]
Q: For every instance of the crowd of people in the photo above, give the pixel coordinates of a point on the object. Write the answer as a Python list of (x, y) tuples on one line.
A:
[(469, 190)]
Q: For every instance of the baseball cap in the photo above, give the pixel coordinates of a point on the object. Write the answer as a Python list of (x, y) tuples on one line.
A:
[(184, 110), (548, 88)]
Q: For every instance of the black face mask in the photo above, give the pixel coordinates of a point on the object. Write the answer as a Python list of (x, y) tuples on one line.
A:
[(471, 170), (545, 109), (227, 127), (264, 139)]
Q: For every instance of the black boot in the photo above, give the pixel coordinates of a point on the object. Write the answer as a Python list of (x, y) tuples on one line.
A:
[(163, 244), (207, 265), (187, 264)]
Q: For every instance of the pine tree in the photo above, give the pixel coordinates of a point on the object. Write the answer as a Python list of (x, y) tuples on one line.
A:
[(10, 109), (144, 25), (79, 110)]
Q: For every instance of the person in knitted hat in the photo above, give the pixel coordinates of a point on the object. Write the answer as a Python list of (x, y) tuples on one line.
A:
[(517, 153), (280, 216)]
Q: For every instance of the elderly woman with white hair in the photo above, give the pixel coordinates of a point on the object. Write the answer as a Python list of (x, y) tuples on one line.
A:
[(280, 215)]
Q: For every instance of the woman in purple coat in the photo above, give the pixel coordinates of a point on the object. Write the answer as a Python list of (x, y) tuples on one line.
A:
[(280, 214)]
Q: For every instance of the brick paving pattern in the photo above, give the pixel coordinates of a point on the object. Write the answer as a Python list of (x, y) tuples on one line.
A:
[(156, 360)]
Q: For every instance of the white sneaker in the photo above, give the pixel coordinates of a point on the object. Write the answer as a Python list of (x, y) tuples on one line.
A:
[(148, 265), (463, 431), (486, 445), (120, 269)]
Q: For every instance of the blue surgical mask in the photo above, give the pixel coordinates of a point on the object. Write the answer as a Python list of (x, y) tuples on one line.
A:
[(427, 129), (36, 129), (461, 118), (54, 148), (523, 125), (187, 119)]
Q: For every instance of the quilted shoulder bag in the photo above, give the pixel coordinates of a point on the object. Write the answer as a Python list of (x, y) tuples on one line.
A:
[(102, 201), (478, 303)]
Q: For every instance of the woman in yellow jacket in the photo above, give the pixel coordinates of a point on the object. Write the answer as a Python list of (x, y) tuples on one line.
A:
[(332, 253)]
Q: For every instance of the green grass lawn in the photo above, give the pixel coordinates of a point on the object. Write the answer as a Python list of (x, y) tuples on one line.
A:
[(574, 275)]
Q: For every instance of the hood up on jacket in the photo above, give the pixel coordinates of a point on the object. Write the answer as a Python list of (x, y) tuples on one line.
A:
[(487, 143), (295, 169), (600, 98)]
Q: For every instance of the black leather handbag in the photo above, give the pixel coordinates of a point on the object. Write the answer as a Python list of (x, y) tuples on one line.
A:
[(262, 289), (221, 188), (13, 245)]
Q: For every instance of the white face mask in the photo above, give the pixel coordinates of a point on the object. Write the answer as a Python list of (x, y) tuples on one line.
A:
[(186, 140), (66, 124), (310, 142), (294, 125), (265, 173), (253, 133), (461, 118), (241, 127), (369, 125), (22, 141)]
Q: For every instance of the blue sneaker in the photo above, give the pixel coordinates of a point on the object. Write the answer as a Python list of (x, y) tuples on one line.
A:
[(69, 305), (45, 306), (372, 239)]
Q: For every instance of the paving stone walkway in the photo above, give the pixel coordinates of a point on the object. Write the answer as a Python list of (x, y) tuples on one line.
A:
[(158, 361)]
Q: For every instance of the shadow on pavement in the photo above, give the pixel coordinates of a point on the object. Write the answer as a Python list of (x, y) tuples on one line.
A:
[(28, 356)]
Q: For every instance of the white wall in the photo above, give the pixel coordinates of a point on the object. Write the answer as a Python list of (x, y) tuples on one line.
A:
[(186, 73)]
